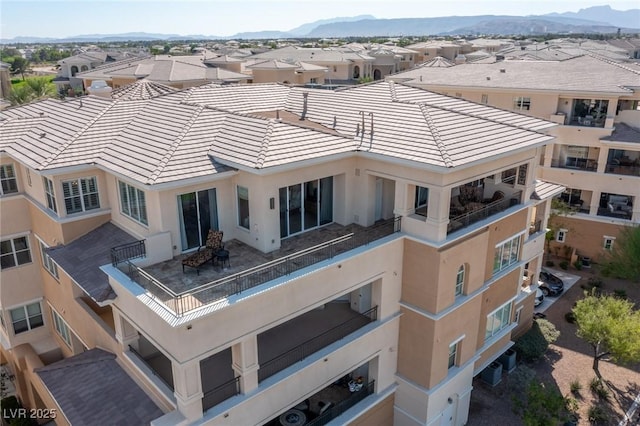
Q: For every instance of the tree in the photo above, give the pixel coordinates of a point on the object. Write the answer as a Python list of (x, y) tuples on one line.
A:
[(623, 260), (559, 208), (611, 326), (19, 66), (41, 87)]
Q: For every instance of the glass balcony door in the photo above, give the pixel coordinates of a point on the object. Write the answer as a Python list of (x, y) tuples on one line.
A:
[(305, 206), (198, 212)]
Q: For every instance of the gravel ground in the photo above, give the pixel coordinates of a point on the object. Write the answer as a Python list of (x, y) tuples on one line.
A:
[(567, 360)]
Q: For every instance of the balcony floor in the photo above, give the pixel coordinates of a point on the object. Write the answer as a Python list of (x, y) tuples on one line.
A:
[(241, 258)]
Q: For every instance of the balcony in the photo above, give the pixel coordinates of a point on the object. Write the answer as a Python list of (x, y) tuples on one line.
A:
[(535, 227), (586, 164), (183, 292), (296, 339), (472, 212), (616, 205), (622, 162)]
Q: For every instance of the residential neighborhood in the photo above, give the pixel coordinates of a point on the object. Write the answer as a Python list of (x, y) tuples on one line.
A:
[(306, 233)]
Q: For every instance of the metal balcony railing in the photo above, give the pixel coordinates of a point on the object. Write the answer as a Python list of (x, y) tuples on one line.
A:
[(489, 209), (343, 405), (186, 301), (221, 393), (618, 169), (316, 343), (145, 362), (126, 252), (534, 227)]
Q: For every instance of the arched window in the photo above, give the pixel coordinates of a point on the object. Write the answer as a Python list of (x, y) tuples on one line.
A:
[(84, 68), (356, 72), (74, 71), (377, 75), (460, 280)]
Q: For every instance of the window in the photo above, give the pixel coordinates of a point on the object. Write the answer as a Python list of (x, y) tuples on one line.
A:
[(522, 174), (460, 280), (484, 99), (47, 261), (14, 252), (453, 353), (421, 200), (561, 236), (80, 195), (61, 327), (608, 242), (49, 194), (243, 207), (506, 254), (516, 317), (498, 320), (132, 203), (313, 80), (26, 318), (521, 103), (8, 180)]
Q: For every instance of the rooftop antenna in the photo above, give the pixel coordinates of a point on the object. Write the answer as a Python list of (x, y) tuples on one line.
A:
[(305, 97)]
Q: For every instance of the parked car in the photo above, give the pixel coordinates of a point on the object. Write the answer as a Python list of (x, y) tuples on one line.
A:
[(550, 284), (539, 297)]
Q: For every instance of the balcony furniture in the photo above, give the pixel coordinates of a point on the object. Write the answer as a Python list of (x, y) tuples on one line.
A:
[(498, 195), (205, 253), (293, 417), (222, 256)]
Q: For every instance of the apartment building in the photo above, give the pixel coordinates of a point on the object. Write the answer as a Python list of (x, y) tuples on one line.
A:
[(375, 242), (596, 151)]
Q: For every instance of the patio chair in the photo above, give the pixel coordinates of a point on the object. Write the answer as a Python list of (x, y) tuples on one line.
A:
[(205, 253)]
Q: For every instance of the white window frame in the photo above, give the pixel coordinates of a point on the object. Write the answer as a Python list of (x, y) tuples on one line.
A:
[(460, 276), (561, 235), (498, 264), (47, 262), (484, 99), (61, 327), (49, 194), (135, 204), (14, 252), (81, 195), (608, 242), (516, 316), (5, 176), (522, 103), (456, 352), (491, 318), (28, 318)]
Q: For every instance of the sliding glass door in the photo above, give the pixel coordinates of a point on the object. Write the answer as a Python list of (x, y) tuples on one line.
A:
[(198, 212), (305, 206)]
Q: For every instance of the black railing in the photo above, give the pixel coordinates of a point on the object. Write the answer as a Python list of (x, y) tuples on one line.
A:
[(145, 362), (128, 251), (576, 163), (181, 303), (316, 343), (489, 209), (619, 214), (221, 393), (343, 405)]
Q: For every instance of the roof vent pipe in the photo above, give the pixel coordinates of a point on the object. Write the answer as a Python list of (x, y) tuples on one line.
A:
[(305, 97)]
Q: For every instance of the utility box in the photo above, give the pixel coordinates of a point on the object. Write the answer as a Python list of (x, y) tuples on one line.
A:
[(508, 360), (492, 374)]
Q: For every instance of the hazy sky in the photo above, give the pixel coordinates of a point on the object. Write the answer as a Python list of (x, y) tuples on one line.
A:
[(46, 18)]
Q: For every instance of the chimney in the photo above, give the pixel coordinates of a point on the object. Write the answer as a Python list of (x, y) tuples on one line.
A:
[(305, 97)]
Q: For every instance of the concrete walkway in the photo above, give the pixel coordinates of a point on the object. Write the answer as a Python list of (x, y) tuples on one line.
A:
[(568, 279)]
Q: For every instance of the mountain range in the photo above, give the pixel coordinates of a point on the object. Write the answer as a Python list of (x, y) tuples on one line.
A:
[(597, 19)]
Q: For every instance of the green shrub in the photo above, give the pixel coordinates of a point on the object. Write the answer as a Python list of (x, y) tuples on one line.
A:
[(595, 282), (571, 404), (550, 263), (534, 343), (570, 317), (564, 265), (575, 387), (599, 389), (578, 264), (544, 406), (620, 293), (596, 414)]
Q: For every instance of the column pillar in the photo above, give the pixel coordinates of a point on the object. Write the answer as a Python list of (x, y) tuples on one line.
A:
[(187, 385), (245, 363)]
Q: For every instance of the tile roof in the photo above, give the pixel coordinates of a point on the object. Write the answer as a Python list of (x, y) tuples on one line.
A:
[(624, 133), (544, 190), (82, 258), (92, 389), (194, 133), (141, 89), (580, 74)]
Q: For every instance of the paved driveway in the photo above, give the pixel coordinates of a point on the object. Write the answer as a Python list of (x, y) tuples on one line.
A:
[(568, 279)]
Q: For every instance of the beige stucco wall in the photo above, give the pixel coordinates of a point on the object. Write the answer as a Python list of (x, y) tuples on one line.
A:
[(268, 75), (381, 414), (586, 236)]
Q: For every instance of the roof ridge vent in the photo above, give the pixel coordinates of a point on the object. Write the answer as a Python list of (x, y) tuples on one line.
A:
[(262, 155), (436, 136)]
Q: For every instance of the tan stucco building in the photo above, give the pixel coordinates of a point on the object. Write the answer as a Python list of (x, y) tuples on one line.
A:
[(596, 153), (375, 241)]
